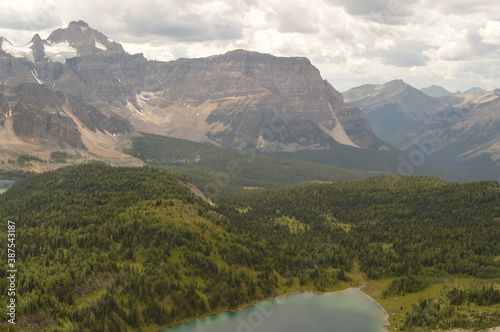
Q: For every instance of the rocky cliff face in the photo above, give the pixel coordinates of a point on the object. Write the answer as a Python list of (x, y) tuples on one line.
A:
[(238, 99), (248, 98), (34, 124), (37, 114)]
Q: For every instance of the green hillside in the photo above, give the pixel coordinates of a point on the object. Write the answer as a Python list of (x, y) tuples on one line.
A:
[(217, 170), (114, 249)]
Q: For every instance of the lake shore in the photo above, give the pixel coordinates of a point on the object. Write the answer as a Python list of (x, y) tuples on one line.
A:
[(281, 296)]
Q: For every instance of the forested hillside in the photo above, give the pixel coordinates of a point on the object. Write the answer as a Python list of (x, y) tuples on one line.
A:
[(426, 223), (218, 171), (107, 249)]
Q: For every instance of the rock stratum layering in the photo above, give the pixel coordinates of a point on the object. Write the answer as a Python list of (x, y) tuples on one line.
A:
[(240, 99)]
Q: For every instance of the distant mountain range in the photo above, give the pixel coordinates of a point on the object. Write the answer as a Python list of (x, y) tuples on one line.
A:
[(435, 91), (461, 129), (393, 108), (439, 91)]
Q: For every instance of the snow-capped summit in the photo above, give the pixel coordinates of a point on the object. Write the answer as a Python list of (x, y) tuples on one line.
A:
[(87, 41), (78, 39), (37, 47), (17, 52), (38, 50)]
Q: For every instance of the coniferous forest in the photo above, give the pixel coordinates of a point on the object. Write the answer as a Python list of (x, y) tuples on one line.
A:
[(102, 248)]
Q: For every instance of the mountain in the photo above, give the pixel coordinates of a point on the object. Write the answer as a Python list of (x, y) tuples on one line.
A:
[(473, 89), (36, 119), (79, 61), (435, 91), (459, 132), (238, 99), (393, 108), (247, 98), (467, 134)]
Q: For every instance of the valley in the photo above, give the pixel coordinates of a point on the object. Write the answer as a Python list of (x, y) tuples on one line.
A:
[(150, 193)]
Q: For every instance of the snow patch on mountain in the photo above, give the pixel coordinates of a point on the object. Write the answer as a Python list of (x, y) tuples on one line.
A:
[(100, 46), (18, 52), (59, 52), (35, 75)]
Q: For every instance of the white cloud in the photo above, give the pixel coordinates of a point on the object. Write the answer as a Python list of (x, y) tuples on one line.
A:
[(490, 33), (358, 66), (352, 42), (384, 44), (454, 47)]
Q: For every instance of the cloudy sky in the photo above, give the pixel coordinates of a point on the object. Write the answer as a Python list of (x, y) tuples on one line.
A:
[(453, 43)]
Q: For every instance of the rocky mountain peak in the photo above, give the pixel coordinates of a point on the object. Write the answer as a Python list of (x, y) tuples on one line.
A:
[(79, 24), (393, 105), (17, 52), (78, 39), (265, 101), (37, 47), (397, 82), (435, 91), (87, 41), (4, 42), (36, 39), (397, 86)]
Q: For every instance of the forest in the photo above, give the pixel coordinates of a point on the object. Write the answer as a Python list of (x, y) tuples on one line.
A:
[(103, 248)]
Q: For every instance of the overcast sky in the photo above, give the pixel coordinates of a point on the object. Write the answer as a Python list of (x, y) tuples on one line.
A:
[(452, 43)]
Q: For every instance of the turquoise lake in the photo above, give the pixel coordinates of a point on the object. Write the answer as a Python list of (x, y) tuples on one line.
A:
[(350, 310), (5, 184)]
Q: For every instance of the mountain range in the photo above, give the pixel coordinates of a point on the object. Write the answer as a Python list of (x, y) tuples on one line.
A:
[(79, 91), (393, 108), (435, 91), (35, 119), (461, 129), (235, 99)]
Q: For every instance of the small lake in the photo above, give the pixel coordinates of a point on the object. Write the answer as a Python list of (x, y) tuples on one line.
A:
[(350, 310), (5, 184)]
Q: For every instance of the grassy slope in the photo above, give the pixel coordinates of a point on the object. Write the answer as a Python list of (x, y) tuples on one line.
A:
[(399, 306)]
